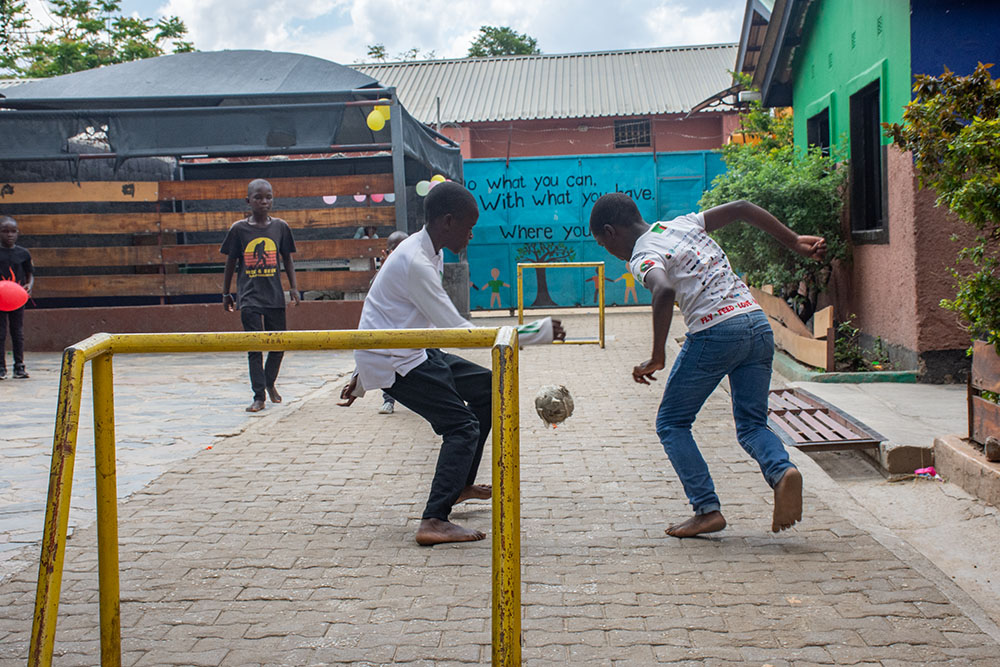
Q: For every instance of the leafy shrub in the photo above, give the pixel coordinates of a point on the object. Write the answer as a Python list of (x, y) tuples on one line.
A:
[(800, 188), (953, 128)]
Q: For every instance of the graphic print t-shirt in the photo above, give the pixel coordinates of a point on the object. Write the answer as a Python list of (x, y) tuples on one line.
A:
[(708, 292), (258, 252), (15, 264)]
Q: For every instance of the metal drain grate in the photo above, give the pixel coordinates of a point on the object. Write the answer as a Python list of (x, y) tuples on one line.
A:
[(808, 422)]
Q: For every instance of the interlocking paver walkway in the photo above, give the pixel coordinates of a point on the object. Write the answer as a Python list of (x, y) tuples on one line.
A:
[(292, 544)]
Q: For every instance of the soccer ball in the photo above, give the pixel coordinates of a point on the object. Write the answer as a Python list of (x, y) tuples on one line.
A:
[(553, 404)]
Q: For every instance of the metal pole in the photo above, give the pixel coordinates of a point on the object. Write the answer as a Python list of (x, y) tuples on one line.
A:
[(398, 163), (600, 302), (506, 503), (43, 630), (520, 295), (107, 511)]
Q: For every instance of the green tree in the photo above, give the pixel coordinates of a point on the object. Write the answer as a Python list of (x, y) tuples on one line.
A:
[(377, 53), (87, 34), (801, 188), (952, 126), (14, 18), (502, 41)]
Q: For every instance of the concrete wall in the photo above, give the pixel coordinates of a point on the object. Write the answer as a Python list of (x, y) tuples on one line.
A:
[(895, 288), (54, 329)]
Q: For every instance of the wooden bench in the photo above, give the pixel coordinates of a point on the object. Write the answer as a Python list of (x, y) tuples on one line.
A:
[(807, 422)]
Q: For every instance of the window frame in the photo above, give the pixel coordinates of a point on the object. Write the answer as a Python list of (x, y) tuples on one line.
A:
[(868, 178), (633, 133)]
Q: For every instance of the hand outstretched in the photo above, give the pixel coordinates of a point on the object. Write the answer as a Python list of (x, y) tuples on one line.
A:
[(643, 373), (813, 247)]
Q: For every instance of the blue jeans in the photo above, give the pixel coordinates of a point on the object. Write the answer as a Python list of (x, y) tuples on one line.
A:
[(742, 348)]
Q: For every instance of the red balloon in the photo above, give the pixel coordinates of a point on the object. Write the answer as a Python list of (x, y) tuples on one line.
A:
[(12, 295)]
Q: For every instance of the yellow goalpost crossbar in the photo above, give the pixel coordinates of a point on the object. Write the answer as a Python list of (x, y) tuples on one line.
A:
[(558, 265), (100, 349)]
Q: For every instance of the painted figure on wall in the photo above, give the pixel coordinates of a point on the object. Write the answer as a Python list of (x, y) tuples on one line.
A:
[(494, 285), (629, 287), (593, 279)]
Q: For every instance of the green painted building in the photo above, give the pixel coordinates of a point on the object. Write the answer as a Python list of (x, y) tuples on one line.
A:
[(845, 67)]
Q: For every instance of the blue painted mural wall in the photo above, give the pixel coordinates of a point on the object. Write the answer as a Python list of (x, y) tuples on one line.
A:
[(538, 209)]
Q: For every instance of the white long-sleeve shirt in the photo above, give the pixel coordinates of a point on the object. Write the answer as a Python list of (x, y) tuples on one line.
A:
[(407, 293)]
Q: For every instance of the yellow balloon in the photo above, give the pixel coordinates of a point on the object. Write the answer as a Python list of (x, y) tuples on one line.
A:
[(383, 109), (376, 121), (437, 178)]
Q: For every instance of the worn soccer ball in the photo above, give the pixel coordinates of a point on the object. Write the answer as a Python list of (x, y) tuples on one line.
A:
[(553, 404)]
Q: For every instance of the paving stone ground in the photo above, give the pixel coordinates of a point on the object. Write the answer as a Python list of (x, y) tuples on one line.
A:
[(292, 544)]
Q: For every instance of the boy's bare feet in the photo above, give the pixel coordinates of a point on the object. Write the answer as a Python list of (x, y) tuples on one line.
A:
[(256, 406), (273, 394), (712, 522), (787, 500), (475, 491), (436, 531)]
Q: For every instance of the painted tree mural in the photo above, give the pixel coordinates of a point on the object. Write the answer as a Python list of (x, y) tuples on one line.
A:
[(544, 252)]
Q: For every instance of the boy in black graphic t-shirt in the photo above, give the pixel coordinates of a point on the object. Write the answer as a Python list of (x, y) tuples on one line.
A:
[(252, 248)]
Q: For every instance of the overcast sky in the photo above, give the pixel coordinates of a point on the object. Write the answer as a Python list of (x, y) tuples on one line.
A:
[(341, 30)]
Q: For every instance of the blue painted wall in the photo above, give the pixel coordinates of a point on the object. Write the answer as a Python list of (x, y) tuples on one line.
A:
[(958, 34), (538, 209)]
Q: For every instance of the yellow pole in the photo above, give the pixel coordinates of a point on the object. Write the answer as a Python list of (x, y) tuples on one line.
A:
[(506, 503), (43, 630), (107, 511), (520, 295), (600, 302)]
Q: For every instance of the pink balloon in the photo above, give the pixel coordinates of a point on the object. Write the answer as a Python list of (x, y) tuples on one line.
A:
[(12, 295), (359, 198), (329, 199), (377, 198)]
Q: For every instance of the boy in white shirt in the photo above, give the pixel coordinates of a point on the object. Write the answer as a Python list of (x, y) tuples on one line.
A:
[(453, 394), (728, 334)]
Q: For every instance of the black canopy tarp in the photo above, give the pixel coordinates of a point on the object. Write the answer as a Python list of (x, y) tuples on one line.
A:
[(212, 104)]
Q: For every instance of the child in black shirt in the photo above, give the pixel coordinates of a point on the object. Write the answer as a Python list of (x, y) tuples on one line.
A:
[(15, 264), (252, 248)]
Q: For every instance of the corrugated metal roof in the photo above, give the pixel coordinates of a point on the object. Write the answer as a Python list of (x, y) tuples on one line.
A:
[(574, 85)]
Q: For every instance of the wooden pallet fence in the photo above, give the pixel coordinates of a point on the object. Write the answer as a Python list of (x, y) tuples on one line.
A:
[(984, 415), (814, 348), (155, 265)]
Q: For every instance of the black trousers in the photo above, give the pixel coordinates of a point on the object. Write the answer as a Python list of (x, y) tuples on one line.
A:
[(263, 375), (16, 319), (456, 397)]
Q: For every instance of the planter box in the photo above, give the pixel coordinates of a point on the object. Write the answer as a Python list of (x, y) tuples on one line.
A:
[(984, 416)]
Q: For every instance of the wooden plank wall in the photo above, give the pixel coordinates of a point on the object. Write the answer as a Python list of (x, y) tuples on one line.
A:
[(155, 265)]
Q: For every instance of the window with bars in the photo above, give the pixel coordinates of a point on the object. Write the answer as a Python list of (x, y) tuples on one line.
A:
[(632, 133), (868, 186)]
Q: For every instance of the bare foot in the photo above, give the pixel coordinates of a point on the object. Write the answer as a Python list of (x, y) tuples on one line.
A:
[(273, 394), (712, 522), (475, 491), (436, 531), (787, 500), (256, 406)]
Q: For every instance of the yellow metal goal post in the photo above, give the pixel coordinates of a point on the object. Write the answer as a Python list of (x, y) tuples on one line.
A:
[(100, 349), (562, 265)]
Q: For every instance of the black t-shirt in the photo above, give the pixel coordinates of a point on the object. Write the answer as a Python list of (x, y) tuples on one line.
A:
[(257, 251), (15, 263)]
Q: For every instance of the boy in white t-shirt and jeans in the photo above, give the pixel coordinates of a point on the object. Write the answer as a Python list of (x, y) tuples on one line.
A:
[(728, 334)]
